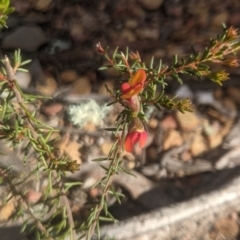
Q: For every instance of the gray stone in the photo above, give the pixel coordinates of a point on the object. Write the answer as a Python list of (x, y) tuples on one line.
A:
[(26, 38)]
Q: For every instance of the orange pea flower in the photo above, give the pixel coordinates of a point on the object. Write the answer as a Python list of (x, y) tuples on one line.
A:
[(135, 85), (136, 134)]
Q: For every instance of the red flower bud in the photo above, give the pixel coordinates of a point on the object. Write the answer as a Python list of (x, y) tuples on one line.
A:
[(136, 134)]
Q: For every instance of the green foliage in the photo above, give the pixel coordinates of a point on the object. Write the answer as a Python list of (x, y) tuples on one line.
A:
[(5, 10)]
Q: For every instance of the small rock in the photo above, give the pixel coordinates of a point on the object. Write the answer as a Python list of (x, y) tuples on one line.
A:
[(68, 76), (49, 87), (60, 144), (172, 139), (219, 19), (89, 126), (151, 4), (72, 150), (199, 145), (33, 196), (131, 23), (54, 122), (52, 109), (77, 32), (215, 140), (81, 86), (188, 121), (168, 122), (130, 165), (42, 5), (7, 209), (186, 156), (153, 123), (17, 39), (150, 33), (23, 79)]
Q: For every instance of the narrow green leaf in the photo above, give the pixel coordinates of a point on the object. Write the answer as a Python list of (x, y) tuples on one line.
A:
[(102, 159), (175, 76), (103, 68), (69, 185), (98, 228), (25, 62), (111, 103), (151, 63), (127, 53), (22, 70), (4, 109), (105, 168), (105, 219), (115, 53), (126, 171), (175, 59), (110, 129)]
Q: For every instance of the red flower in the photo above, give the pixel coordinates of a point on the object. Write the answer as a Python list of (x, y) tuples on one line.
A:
[(136, 133), (135, 85), (133, 137)]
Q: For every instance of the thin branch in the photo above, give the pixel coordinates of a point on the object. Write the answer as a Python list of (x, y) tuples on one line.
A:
[(20, 100)]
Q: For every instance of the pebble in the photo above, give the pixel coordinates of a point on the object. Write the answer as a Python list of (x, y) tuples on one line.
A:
[(199, 145), (172, 139), (23, 79), (151, 33), (81, 86), (68, 76), (7, 209), (72, 150), (168, 122), (17, 39), (219, 19), (188, 121), (151, 4), (52, 109), (42, 5), (49, 87)]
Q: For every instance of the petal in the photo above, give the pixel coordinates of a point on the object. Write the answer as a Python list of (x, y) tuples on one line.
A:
[(132, 92), (130, 140), (138, 78), (125, 87), (143, 139)]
